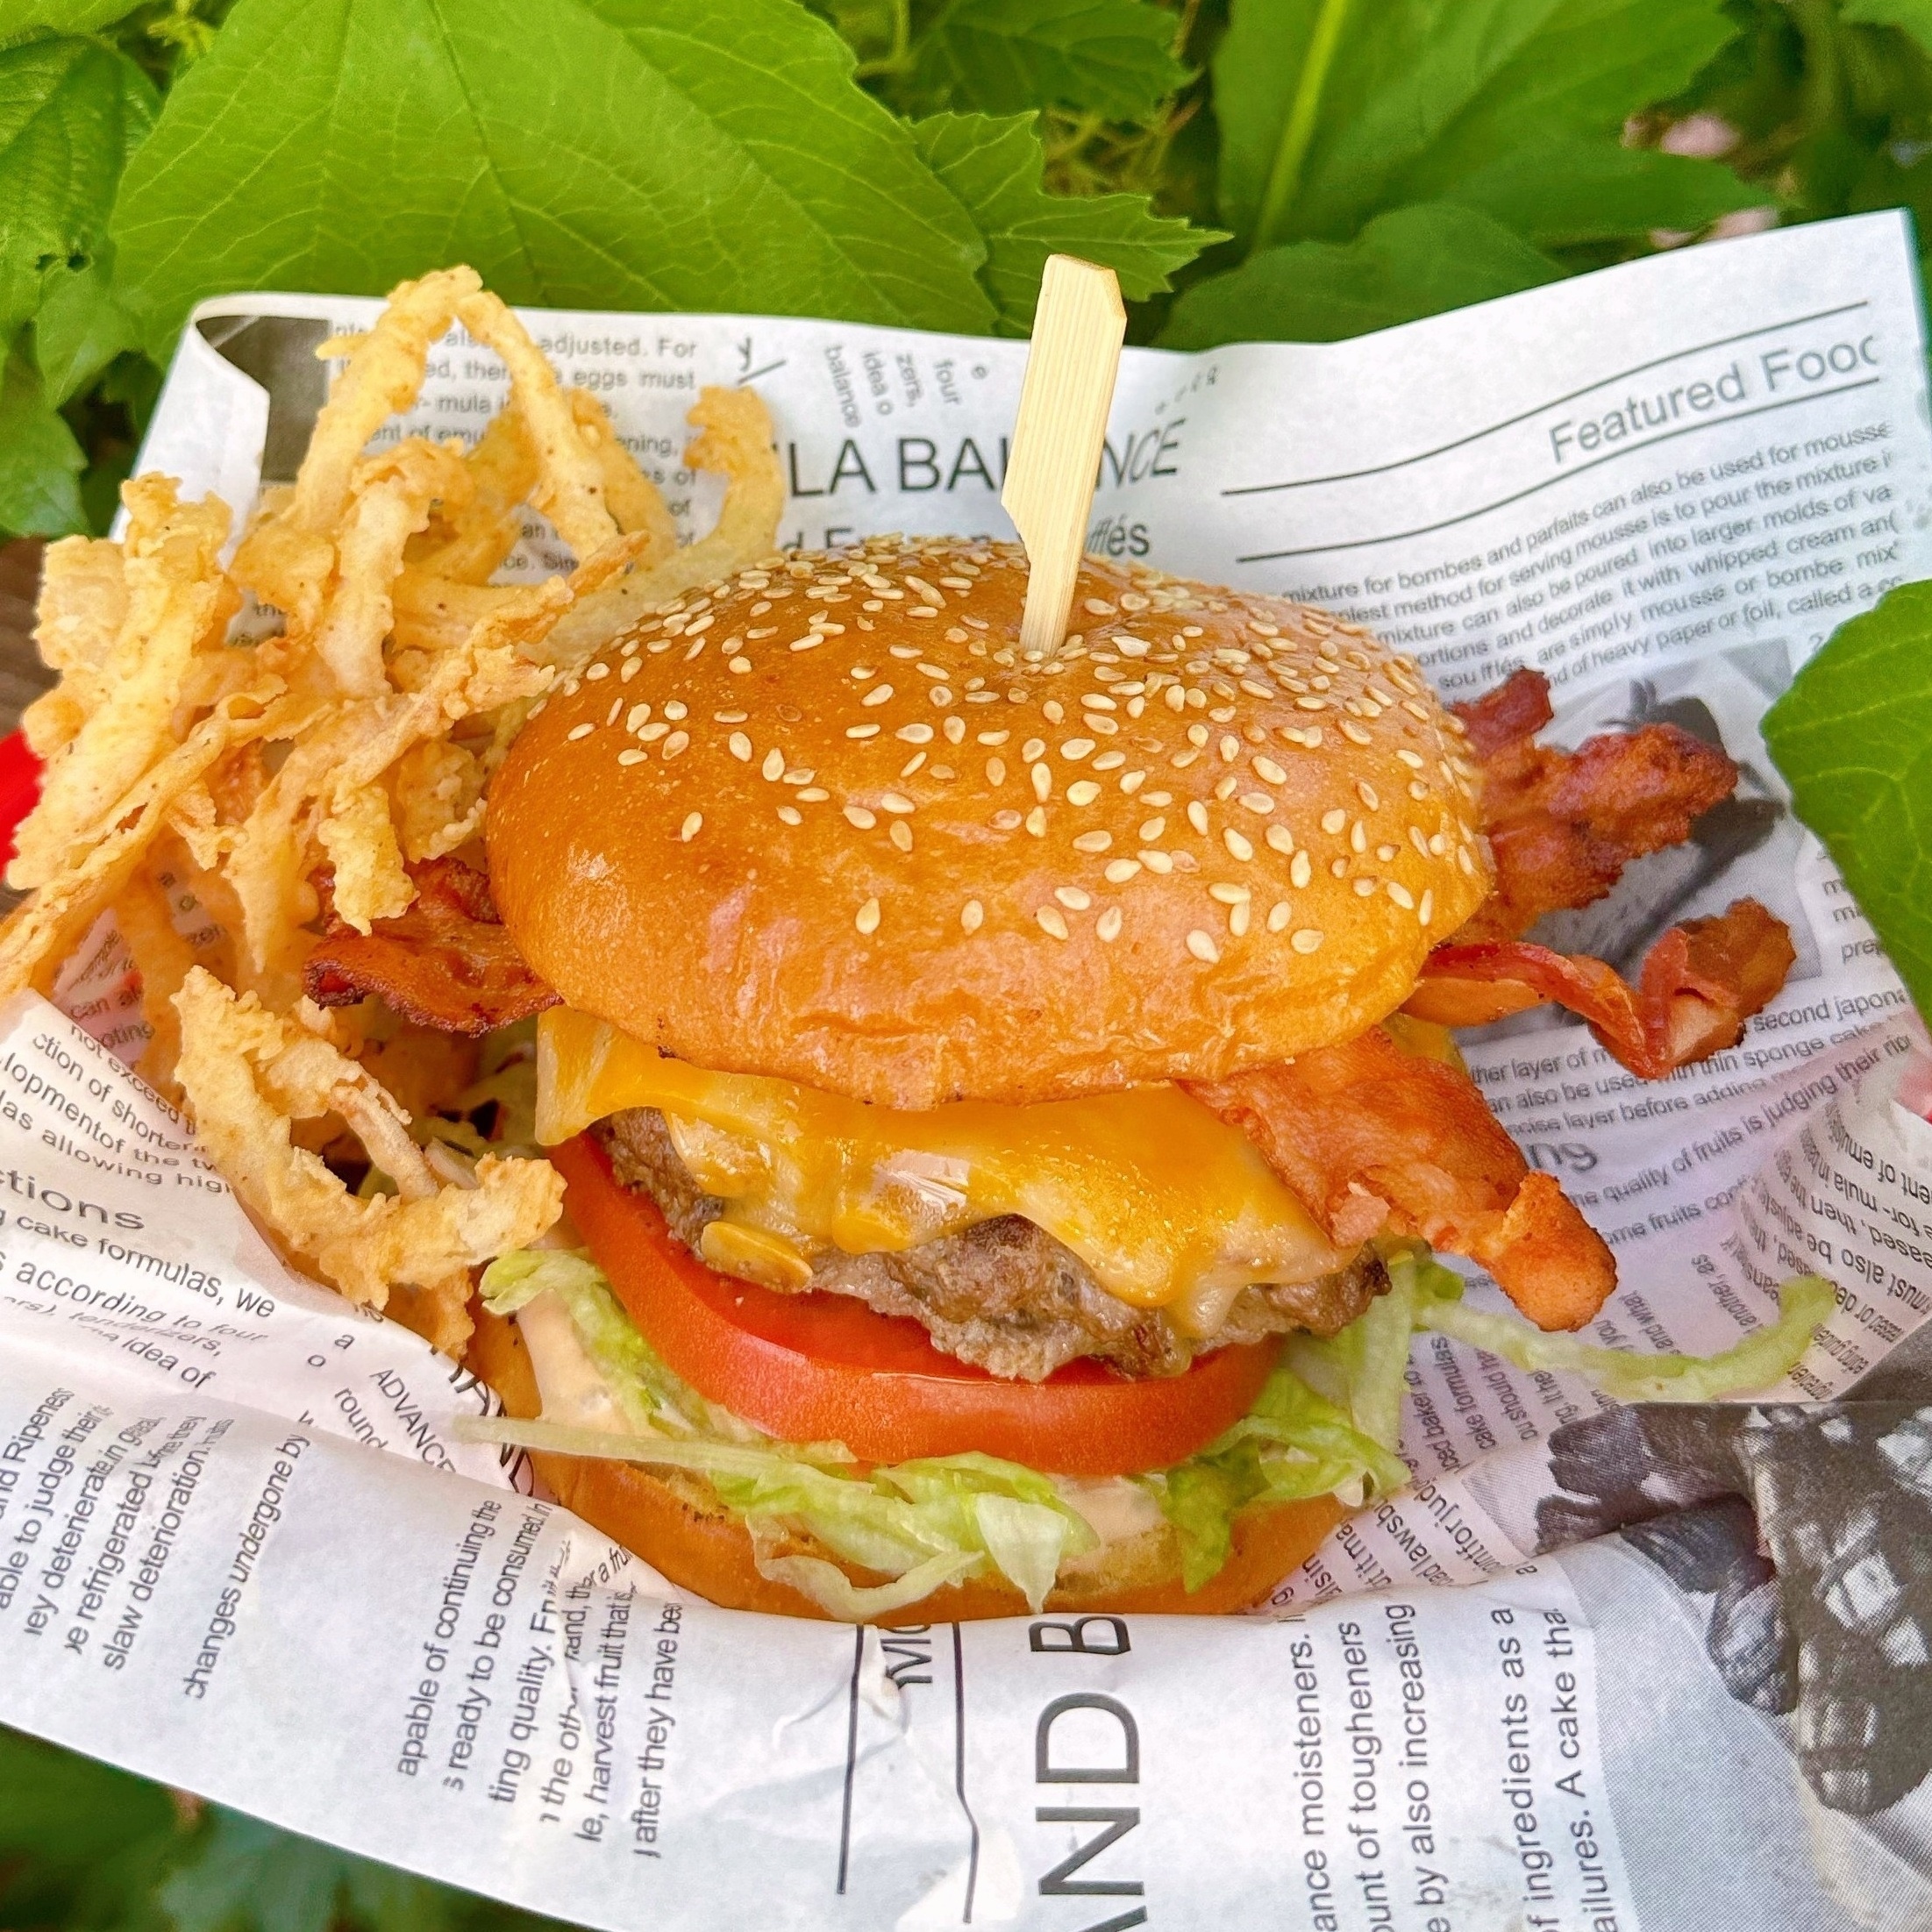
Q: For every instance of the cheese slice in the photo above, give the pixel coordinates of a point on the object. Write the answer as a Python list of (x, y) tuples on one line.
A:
[(1167, 1205)]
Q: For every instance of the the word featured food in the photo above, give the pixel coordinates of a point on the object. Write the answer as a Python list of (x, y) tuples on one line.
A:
[(1003, 1102)]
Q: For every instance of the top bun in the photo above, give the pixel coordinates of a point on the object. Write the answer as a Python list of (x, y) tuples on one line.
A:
[(823, 821)]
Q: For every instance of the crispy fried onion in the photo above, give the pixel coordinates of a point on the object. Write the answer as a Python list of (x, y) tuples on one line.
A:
[(1564, 824), (1700, 982), (248, 1075), (446, 962), (1377, 1140)]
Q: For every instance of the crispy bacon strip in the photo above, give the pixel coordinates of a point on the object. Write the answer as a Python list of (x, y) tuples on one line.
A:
[(1377, 1140), (446, 963), (1564, 824), (1700, 982)]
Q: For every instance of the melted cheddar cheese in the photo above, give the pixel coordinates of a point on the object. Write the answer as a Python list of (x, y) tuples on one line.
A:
[(1167, 1206)]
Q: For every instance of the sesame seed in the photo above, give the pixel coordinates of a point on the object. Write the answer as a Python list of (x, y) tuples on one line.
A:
[(676, 742), (814, 795), (1132, 782), (1109, 761), (1197, 816), (632, 757), (991, 737), (580, 731), (995, 771), (1413, 759), (1338, 868), (1358, 837), (1368, 795), (1203, 947), (610, 716), (1426, 910), (1043, 782), (1076, 748), (1052, 921), (740, 747), (1054, 711), (1307, 704), (1364, 889), (810, 642), (1400, 895), (1072, 898), (1197, 734), (1333, 822), (1175, 699), (1093, 841), (971, 914), (912, 765), (1082, 791), (867, 918), (693, 822), (955, 730), (861, 731), (677, 710), (1299, 871), (649, 734), (1229, 894), (1241, 848), (1278, 915), (860, 816), (1306, 940), (1238, 918), (1269, 772), (915, 734), (878, 695), (1034, 748), (897, 802), (1225, 789), (1151, 829), (631, 667), (1257, 803), (1158, 861), (900, 834), (1108, 925), (1119, 871), (1036, 822), (1230, 749)]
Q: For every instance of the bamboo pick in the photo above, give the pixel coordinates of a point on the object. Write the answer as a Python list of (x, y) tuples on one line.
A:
[(1057, 435)]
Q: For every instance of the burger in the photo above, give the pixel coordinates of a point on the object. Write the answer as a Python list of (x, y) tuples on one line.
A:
[(998, 1161)]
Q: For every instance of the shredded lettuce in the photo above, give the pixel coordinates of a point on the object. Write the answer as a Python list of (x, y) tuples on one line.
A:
[(1764, 1356), (1327, 1423)]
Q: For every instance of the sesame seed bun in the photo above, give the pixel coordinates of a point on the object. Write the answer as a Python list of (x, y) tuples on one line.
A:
[(823, 820)]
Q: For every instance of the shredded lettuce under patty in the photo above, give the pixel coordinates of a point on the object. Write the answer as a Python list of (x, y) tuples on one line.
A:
[(1327, 1423)]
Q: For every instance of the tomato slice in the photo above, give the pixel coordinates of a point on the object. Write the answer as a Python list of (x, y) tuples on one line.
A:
[(825, 1368)]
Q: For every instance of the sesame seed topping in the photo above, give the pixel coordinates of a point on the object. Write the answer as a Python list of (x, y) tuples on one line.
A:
[(1426, 910), (1036, 822), (814, 795), (1400, 895), (1108, 924), (1082, 791), (1197, 734), (860, 816), (676, 710), (900, 834), (1257, 803), (740, 747), (1119, 871), (1051, 921), (1108, 761), (1034, 748), (1203, 947), (1364, 889), (1043, 782), (995, 771), (897, 802), (861, 731), (1072, 898), (1158, 861), (1309, 704), (1278, 915), (1238, 918), (878, 695), (1306, 940), (1197, 816), (631, 667), (971, 915), (1269, 772), (693, 824), (1229, 894), (676, 743), (1076, 748), (1239, 847), (1368, 795), (867, 918), (1229, 748), (1132, 782), (1358, 837), (1333, 822), (632, 757), (1093, 841), (1299, 871)]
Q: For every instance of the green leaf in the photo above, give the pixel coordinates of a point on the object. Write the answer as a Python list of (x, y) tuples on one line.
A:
[(599, 153), (992, 167), (1415, 261), (70, 112), (1563, 193), (248, 1876), (1110, 57), (19, 17), (81, 328), (1853, 737), (39, 460), (1419, 96), (1915, 16), (62, 1809)]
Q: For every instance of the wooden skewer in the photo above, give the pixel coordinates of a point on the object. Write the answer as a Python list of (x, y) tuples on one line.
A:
[(1057, 438)]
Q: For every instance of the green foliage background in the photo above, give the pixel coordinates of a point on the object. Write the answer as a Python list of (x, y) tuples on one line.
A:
[(1253, 169), (1283, 169)]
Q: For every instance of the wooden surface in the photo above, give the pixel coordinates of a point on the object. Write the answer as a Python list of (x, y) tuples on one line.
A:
[(22, 675)]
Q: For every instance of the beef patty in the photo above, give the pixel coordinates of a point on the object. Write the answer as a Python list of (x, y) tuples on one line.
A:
[(1003, 1293)]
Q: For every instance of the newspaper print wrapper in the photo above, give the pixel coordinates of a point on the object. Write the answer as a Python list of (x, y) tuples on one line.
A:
[(242, 1549)]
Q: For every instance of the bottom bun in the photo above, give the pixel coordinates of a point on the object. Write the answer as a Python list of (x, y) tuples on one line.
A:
[(675, 1523)]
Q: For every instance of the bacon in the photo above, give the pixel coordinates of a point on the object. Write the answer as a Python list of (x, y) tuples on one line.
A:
[(1376, 1140), (1562, 825), (446, 963), (1700, 982), (1510, 713)]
